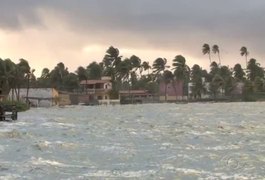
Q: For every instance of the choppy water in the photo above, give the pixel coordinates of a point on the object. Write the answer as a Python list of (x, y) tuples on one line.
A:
[(153, 141)]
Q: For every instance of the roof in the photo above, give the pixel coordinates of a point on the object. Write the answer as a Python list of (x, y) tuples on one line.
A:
[(94, 82)]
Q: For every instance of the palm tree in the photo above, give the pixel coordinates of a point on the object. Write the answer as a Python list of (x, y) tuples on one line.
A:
[(226, 74), (136, 62), (30, 76), (181, 71), (181, 68), (216, 83), (216, 50), (238, 72), (124, 69), (254, 70), (207, 50), (197, 82), (214, 68), (168, 77), (244, 52), (23, 69), (112, 57), (57, 76), (45, 73), (7, 75), (82, 76), (159, 66), (145, 66), (94, 70)]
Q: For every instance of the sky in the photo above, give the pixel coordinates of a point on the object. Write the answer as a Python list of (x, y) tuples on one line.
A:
[(79, 32)]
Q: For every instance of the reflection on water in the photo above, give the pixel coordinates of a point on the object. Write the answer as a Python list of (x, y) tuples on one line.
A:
[(152, 141)]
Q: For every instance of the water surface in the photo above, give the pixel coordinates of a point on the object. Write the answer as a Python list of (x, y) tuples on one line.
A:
[(151, 141)]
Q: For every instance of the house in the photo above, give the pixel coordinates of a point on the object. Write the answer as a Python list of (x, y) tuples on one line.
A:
[(95, 90), (172, 91), (39, 97), (136, 96)]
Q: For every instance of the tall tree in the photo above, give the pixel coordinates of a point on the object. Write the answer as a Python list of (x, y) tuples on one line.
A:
[(57, 76), (238, 72), (145, 66), (216, 50), (181, 72), (30, 77), (159, 66), (82, 73), (23, 71), (45, 73), (207, 50), (226, 74), (168, 77), (197, 88), (7, 75), (244, 52), (94, 70), (136, 62), (111, 61), (254, 70)]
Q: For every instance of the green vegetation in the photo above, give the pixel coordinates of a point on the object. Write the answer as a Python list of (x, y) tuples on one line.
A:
[(133, 73), (21, 106)]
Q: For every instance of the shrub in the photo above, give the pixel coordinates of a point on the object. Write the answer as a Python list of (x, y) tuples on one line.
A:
[(21, 106)]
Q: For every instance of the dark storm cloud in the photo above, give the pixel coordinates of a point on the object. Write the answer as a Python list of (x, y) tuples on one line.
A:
[(153, 15), (161, 23)]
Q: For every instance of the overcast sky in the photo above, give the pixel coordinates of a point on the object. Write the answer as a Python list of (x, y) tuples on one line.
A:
[(77, 32)]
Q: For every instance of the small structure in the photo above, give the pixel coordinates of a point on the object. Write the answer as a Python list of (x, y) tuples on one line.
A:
[(136, 96), (95, 90), (38, 97)]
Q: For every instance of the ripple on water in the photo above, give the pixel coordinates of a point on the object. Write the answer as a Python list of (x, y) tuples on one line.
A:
[(150, 141)]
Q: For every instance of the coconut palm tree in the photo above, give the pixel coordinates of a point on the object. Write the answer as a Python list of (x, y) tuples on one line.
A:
[(238, 72), (167, 77), (7, 75), (254, 70), (22, 70), (197, 81), (30, 76), (45, 73), (216, 50), (207, 50), (181, 71), (244, 52), (82, 75), (145, 66), (94, 70), (159, 66), (136, 62)]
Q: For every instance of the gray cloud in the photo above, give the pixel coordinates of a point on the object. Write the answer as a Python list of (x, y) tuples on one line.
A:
[(168, 24)]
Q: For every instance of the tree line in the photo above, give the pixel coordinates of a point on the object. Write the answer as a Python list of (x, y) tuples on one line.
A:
[(133, 73)]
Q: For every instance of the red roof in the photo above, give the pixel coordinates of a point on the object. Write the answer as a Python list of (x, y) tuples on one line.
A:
[(93, 82)]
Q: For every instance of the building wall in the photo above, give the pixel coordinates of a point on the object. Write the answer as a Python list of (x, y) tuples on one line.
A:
[(50, 93), (174, 91), (64, 99)]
